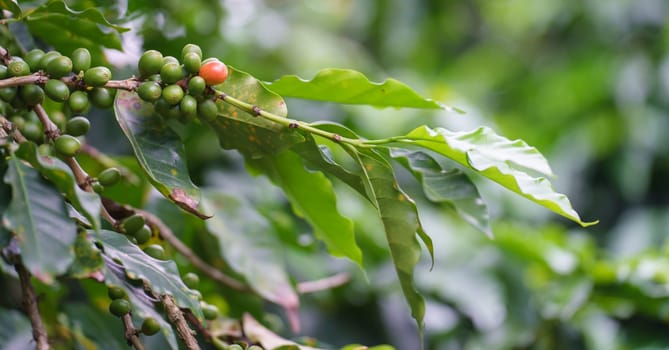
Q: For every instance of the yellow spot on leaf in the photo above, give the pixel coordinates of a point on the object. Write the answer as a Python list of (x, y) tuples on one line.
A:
[(173, 172)]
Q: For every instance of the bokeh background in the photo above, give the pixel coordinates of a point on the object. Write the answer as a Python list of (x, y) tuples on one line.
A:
[(586, 82)]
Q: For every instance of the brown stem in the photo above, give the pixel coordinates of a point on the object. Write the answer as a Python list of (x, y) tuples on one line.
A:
[(188, 315), (8, 127), (50, 129), (184, 250), (177, 319), (30, 302), (130, 84), (131, 332), (323, 284), (35, 78)]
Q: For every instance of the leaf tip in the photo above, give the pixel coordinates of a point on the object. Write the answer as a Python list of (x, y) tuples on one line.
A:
[(589, 223)]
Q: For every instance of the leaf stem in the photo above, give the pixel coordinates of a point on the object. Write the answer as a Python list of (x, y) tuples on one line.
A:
[(30, 302)]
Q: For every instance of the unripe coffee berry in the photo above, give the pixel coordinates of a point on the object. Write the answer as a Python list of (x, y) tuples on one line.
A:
[(77, 126), (196, 86), (173, 94), (207, 110), (191, 280), (81, 60), (101, 97), (57, 90), (188, 107), (150, 63), (209, 311), (78, 101), (32, 131), (18, 68), (142, 235), (44, 62), (155, 251), (119, 307), (33, 59), (191, 48), (3, 71), (170, 73), (109, 177), (214, 72), (67, 145), (97, 76), (8, 94), (235, 347), (115, 292), (192, 62), (31, 94), (150, 326), (170, 59), (149, 91), (132, 224), (59, 67)]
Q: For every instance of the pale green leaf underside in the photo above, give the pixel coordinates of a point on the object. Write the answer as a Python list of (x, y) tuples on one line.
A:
[(509, 163), (38, 217), (351, 87)]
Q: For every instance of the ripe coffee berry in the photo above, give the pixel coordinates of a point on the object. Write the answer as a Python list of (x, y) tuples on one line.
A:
[(214, 72)]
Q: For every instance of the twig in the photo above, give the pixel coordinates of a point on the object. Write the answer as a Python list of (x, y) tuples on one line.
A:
[(131, 332), (177, 319), (50, 129), (11, 129), (323, 284), (188, 315), (184, 250), (35, 78), (30, 302)]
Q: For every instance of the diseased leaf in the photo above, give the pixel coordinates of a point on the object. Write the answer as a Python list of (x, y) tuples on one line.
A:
[(15, 331), (251, 250), (39, 220), (87, 259), (162, 276), (268, 339), (250, 135), (159, 151), (351, 87), (60, 175), (54, 7), (451, 186), (509, 163), (400, 221)]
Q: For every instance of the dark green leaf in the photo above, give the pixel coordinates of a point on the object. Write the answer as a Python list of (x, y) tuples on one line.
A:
[(400, 220), (15, 331), (60, 175), (509, 163), (159, 151), (11, 6), (351, 87), (87, 259), (56, 7), (246, 243), (250, 135), (92, 325), (162, 276), (73, 33), (312, 197), (38, 217), (5, 198), (451, 186)]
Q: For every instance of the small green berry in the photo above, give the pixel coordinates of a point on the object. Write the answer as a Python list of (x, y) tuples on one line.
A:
[(101, 97), (191, 48), (97, 76), (59, 67), (119, 307), (188, 107), (207, 110), (142, 235), (150, 326), (196, 86), (81, 60), (57, 90), (78, 101), (109, 177), (170, 73), (155, 251), (8, 94), (149, 91), (170, 59), (3, 71), (235, 347), (191, 280), (17, 68), (115, 292), (173, 94), (31, 94), (44, 62), (77, 126), (209, 311), (150, 63), (32, 130), (132, 223), (97, 188), (33, 59), (67, 145), (192, 62)]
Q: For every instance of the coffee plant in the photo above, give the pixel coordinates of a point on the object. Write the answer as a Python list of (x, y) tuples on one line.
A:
[(67, 218)]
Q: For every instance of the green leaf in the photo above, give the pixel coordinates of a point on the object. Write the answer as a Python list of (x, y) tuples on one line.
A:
[(5, 199), (312, 197), (73, 33), (351, 87), (60, 175), (509, 163), (159, 151), (162, 276), (252, 136), (400, 220), (247, 245), (87, 259), (58, 7), (11, 6), (92, 325), (451, 186), (38, 218), (257, 333), (15, 331)]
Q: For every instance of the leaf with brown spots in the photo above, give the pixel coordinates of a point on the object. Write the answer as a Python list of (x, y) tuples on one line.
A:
[(159, 151)]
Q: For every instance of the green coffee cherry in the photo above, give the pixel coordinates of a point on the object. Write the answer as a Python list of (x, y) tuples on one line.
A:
[(132, 224), (97, 188), (119, 307), (150, 63), (77, 126), (209, 311), (115, 292), (57, 90), (78, 101), (254, 347), (191, 48), (170, 59), (3, 71), (150, 326), (170, 73), (149, 91), (192, 62), (235, 347), (109, 177), (142, 235), (31, 94), (8, 94), (191, 280), (59, 67), (155, 251), (33, 59), (97, 76), (101, 97), (207, 110), (188, 107), (44, 62), (81, 60), (32, 130), (18, 68), (173, 94), (196, 86), (67, 145)]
